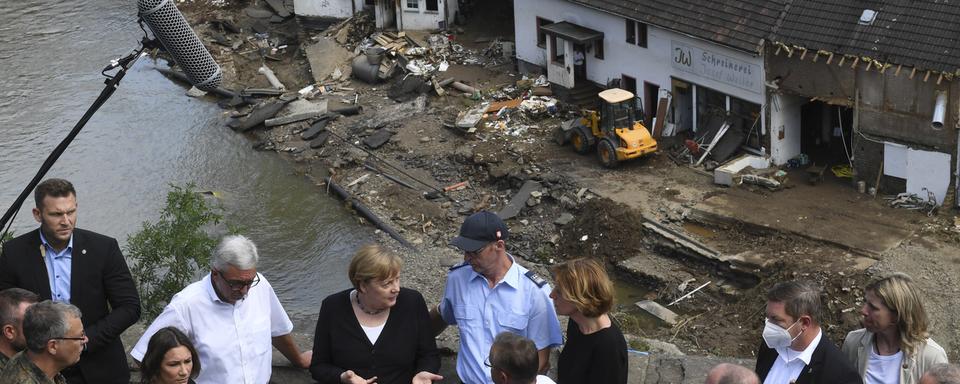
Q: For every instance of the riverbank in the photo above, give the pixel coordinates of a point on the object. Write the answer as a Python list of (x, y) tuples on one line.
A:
[(663, 226)]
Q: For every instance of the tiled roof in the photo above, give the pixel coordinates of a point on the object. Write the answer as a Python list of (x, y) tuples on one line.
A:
[(741, 24), (920, 33)]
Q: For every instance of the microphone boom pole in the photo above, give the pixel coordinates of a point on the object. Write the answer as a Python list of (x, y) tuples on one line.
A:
[(112, 83)]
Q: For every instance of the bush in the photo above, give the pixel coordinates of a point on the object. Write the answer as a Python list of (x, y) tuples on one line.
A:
[(167, 255)]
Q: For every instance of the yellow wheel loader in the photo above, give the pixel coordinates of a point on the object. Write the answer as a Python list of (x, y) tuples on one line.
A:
[(613, 130)]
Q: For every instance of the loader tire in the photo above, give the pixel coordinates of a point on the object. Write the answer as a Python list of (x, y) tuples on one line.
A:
[(607, 153), (581, 140)]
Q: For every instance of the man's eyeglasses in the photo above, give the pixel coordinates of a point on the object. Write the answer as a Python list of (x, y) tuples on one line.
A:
[(237, 285), (476, 253), (83, 336), (487, 362)]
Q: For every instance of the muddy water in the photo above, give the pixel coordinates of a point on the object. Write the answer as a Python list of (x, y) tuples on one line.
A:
[(147, 136)]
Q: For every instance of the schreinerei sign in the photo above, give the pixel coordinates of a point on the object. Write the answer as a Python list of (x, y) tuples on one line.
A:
[(716, 66)]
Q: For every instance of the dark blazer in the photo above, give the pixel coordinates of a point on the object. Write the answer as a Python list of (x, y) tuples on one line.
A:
[(405, 347), (827, 365), (100, 285)]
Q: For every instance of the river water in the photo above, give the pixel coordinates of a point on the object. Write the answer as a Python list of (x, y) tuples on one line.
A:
[(147, 136)]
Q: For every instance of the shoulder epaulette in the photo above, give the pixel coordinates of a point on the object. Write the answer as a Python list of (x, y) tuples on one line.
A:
[(533, 276), (455, 266)]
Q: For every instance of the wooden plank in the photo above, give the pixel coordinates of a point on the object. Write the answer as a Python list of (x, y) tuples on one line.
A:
[(498, 105), (662, 106)]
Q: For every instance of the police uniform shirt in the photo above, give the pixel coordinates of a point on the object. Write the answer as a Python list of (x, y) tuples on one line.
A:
[(520, 303)]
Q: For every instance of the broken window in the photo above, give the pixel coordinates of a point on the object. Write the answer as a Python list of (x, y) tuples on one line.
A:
[(598, 49), (413, 4), (631, 27), (541, 35), (432, 5), (556, 50)]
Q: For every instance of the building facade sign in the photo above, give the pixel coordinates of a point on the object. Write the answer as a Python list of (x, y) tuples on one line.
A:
[(716, 66)]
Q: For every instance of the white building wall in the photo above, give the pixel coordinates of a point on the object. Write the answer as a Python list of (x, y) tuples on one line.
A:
[(653, 64), (327, 8), (421, 19), (658, 63)]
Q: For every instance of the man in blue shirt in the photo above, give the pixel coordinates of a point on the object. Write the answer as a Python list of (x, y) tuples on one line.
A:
[(66, 264), (495, 294)]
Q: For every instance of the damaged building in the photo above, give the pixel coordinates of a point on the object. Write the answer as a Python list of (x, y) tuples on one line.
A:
[(694, 62), (389, 14), (870, 85)]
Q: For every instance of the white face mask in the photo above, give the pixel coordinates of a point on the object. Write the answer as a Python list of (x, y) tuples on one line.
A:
[(777, 337)]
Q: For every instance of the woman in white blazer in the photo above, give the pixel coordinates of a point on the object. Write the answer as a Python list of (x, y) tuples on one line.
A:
[(893, 346)]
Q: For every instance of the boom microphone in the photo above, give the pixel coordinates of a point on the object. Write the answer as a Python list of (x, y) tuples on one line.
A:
[(173, 31)]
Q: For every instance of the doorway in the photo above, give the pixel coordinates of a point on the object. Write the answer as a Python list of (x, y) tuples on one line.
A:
[(825, 132), (651, 93)]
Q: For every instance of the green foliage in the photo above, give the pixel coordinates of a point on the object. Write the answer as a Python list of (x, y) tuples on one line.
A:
[(168, 254), (5, 237)]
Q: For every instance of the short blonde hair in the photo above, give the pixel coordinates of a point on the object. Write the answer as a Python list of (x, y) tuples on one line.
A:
[(373, 262), (585, 283), (898, 293)]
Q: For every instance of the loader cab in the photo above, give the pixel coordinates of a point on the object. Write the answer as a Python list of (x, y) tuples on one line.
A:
[(617, 109)]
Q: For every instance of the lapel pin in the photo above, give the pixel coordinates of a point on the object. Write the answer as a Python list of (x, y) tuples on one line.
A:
[(83, 251)]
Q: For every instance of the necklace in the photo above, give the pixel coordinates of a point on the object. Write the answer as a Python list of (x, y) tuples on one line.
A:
[(356, 296)]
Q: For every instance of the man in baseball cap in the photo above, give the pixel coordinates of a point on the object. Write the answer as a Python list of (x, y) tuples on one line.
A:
[(494, 295)]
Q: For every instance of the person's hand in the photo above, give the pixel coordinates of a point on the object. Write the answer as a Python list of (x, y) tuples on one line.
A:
[(349, 377), (305, 358), (425, 377)]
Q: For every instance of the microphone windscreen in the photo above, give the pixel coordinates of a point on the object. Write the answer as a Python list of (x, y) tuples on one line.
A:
[(171, 28)]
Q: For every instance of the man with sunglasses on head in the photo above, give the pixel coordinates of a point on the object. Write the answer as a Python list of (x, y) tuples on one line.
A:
[(490, 293), (233, 316), (794, 348)]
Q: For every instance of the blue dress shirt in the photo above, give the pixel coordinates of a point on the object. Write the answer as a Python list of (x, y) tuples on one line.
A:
[(58, 269), (516, 304)]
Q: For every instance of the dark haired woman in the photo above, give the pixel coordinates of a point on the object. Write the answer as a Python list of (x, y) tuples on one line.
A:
[(170, 359)]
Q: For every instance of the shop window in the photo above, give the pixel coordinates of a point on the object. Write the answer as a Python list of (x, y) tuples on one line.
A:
[(746, 116), (413, 4), (598, 49), (433, 5), (711, 107), (541, 35)]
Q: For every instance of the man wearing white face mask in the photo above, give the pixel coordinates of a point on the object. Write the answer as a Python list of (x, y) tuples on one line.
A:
[(794, 349)]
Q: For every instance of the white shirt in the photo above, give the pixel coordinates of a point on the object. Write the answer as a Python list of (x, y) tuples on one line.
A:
[(373, 333), (234, 341), (789, 363), (883, 369), (541, 379)]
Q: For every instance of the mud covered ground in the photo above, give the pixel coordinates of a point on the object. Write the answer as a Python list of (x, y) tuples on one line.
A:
[(608, 207)]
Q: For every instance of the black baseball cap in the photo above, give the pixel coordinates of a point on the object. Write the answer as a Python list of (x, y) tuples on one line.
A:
[(480, 229)]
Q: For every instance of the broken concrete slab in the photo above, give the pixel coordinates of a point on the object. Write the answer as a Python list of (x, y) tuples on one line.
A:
[(395, 113), (658, 311), (325, 56), (259, 114), (279, 8), (519, 200), (291, 118), (725, 175), (378, 139), (258, 13), (470, 118), (320, 140), (564, 219), (315, 129)]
